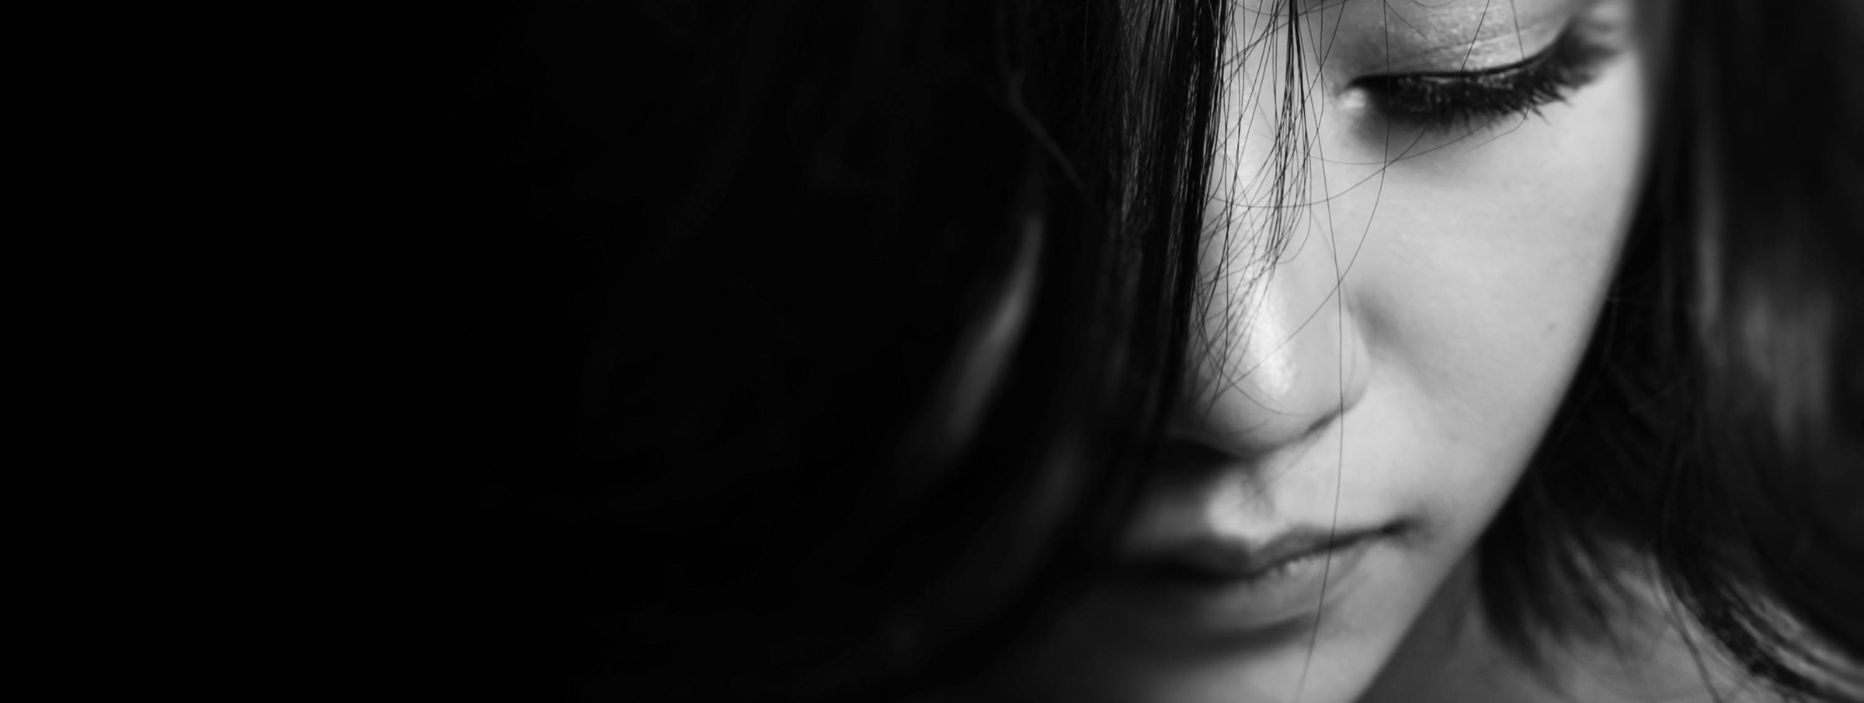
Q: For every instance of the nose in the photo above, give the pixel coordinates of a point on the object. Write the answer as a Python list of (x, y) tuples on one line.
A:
[(1281, 354)]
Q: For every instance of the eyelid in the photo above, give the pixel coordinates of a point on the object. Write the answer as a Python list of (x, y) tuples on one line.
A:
[(1443, 100), (1543, 54), (1508, 44)]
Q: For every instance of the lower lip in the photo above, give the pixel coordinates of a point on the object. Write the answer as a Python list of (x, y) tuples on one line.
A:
[(1304, 589)]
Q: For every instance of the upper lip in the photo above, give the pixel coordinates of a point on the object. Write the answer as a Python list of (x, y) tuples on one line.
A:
[(1237, 557)]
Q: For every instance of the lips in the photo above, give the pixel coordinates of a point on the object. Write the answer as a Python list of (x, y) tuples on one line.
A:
[(1228, 558), (1210, 582)]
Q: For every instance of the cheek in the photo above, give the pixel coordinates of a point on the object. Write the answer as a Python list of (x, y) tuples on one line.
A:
[(1485, 262)]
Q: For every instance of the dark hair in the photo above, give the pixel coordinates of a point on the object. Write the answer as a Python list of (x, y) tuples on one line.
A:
[(712, 272), (1715, 429), (713, 277), (1765, 542), (1715, 426)]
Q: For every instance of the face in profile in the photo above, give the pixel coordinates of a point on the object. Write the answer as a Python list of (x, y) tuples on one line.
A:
[(1414, 218)]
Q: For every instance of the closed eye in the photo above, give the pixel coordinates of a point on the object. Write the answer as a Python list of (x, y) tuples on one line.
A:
[(1442, 100)]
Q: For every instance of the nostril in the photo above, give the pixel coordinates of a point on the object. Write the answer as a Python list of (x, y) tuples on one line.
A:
[(1186, 452), (1227, 430)]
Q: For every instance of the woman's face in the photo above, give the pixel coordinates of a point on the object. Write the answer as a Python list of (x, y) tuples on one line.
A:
[(1369, 388)]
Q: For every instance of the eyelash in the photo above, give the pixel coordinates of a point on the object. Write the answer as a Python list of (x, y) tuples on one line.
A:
[(1447, 99)]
